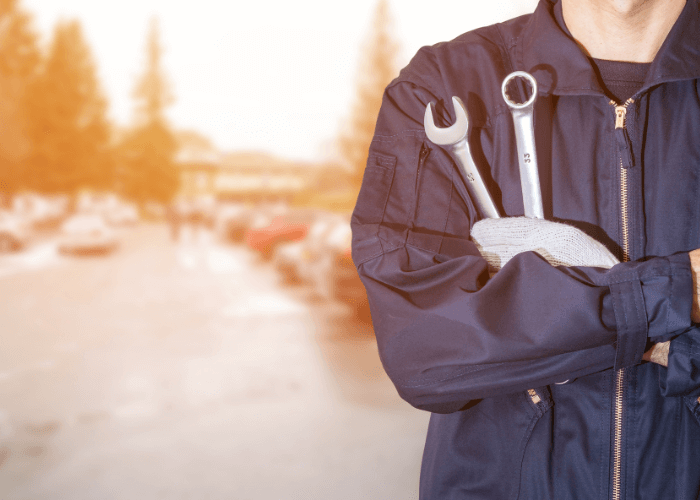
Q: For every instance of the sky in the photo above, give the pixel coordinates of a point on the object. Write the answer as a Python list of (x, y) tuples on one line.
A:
[(276, 76)]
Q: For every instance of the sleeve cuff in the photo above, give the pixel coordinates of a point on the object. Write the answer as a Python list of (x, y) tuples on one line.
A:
[(669, 299), (632, 328), (652, 300)]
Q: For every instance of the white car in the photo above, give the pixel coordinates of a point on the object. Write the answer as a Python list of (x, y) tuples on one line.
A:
[(89, 232), (122, 214), (13, 232), (311, 260)]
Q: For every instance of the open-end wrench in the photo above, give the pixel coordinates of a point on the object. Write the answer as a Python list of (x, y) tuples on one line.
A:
[(525, 140), (454, 138)]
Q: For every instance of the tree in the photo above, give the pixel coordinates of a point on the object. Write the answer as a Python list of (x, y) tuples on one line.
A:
[(19, 61), (68, 118), (148, 150), (377, 69)]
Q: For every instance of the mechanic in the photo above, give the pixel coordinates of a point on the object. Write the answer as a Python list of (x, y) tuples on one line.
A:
[(546, 381)]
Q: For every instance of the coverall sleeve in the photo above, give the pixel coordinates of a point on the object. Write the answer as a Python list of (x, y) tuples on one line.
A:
[(446, 332)]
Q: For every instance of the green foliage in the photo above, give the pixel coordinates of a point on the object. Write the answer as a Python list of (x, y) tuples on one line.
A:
[(147, 153), (152, 92), (67, 115), (19, 60), (377, 69)]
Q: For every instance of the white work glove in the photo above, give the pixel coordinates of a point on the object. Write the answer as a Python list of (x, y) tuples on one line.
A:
[(499, 240)]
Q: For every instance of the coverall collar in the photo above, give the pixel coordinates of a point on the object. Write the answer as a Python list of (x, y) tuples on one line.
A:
[(562, 68)]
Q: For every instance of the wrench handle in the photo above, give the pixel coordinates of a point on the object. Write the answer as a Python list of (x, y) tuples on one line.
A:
[(475, 183), (527, 160)]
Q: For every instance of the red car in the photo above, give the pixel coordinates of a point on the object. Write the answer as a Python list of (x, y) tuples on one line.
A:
[(290, 226)]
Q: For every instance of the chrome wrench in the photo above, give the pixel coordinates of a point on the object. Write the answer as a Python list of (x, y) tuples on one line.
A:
[(454, 138), (525, 141)]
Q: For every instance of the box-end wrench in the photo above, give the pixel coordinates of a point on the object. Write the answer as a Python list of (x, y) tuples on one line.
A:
[(454, 138), (525, 140)]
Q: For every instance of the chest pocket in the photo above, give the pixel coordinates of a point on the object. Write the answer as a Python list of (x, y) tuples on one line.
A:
[(371, 206)]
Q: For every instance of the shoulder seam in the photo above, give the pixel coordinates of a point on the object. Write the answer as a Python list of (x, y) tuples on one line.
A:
[(504, 47)]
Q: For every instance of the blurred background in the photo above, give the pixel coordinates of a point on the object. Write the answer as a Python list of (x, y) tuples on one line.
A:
[(179, 313)]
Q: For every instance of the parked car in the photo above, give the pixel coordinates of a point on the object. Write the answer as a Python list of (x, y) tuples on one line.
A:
[(14, 233), (122, 214), (309, 260), (333, 243), (288, 259), (231, 221), (346, 284), (87, 233), (293, 225), (40, 211), (115, 210)]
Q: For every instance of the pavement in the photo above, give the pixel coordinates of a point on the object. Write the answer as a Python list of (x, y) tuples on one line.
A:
[(186, 370)]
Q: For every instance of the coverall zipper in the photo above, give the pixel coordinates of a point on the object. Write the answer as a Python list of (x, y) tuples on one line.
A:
[(626, 161), (422, 156)]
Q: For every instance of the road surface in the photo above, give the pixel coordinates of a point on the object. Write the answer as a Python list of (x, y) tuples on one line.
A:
[(185, 370)]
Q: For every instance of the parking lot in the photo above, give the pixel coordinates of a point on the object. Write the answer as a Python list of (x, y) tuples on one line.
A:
[(187, 368)]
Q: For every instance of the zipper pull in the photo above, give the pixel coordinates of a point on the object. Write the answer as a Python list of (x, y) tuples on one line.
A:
[(534, 397), (623, 140)]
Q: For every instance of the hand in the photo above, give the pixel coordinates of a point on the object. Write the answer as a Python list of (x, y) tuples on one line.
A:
[(658, 353), (499, 240), (695, 268)]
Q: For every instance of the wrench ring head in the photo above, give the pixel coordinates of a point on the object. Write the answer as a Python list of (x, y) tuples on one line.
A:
[(530, 79)]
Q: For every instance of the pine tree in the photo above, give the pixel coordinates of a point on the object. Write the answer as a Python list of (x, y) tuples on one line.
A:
[(19, 60), (148, 150), (377, 69), (68, 118), (152, 92)]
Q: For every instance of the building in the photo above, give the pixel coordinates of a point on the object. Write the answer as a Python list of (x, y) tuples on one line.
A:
[(250, 177)]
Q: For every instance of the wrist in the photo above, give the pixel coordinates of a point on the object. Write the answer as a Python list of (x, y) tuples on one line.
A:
[(695, 268), (658, 353)]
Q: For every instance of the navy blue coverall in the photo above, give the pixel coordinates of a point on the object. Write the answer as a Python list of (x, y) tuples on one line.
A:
[(485, 355)]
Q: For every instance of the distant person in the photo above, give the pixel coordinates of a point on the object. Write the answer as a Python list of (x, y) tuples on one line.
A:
[(174, 218), (546, 382)]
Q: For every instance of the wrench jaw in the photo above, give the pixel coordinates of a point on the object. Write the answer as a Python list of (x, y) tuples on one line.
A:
[(454, 139), (454, 133)]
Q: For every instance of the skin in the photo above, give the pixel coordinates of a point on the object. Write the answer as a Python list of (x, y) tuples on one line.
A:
[(621, 30), (630, 31), (695, 266)]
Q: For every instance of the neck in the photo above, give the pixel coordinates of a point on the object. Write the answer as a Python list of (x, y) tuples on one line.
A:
[(621, 30)]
